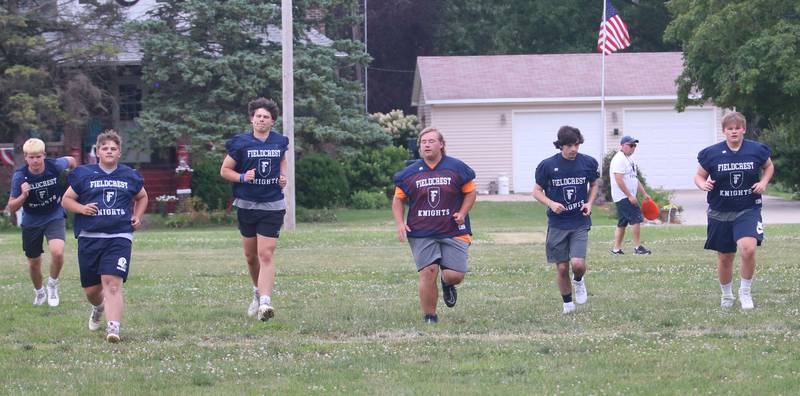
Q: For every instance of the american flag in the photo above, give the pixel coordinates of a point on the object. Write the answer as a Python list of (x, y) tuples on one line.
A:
[(7, 156), (613, 32)]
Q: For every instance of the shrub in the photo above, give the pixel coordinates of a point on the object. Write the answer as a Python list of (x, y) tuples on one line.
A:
[(321, 182), (369, 200), (372, 170), (304, 215), (208, 185), (400, 126)]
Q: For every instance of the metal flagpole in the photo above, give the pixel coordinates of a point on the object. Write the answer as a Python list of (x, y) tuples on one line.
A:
[(366, 67), (287, 56), (603, 75)]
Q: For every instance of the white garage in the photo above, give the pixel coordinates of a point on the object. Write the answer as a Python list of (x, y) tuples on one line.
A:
[(500, 113), (669, 143), (533, 133)]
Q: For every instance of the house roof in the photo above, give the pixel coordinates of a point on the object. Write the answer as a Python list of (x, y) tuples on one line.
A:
[(548, 78)]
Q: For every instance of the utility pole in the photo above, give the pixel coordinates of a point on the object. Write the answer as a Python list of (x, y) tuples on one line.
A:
[(287, 55)]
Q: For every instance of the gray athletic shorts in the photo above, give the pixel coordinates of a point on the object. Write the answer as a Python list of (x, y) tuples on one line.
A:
[(562, 245), (449, 253)]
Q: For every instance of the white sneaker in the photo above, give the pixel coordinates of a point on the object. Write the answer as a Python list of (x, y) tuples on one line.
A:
[(112, 333), (265, 312), (746, 299), (94, 319), (726, 301), (252, 310), (52, 294), (580, 291), (40, 296), (569, 308)]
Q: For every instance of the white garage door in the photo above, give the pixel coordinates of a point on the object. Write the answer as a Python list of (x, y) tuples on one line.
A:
[(669, 143), (533, 136)]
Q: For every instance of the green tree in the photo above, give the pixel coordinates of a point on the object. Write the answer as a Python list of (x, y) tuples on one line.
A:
[(545, 26), (203, 61), (745, 54), (45, 81)]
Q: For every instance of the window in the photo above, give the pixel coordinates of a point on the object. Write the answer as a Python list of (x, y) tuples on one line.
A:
[(130, 101)]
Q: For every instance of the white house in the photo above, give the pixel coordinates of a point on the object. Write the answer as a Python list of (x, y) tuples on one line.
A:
[(500, 114)]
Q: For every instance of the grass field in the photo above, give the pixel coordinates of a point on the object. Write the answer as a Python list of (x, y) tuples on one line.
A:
[(348, 320)]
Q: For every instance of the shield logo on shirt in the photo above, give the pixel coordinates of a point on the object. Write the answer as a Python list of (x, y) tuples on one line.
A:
[(264, 167), (434, 196), (42, 194), (736, 179), (569, 194), (109, 197)]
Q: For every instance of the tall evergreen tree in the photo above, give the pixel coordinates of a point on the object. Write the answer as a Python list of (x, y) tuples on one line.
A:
[(203, 61)]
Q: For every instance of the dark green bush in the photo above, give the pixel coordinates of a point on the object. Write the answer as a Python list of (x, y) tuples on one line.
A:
[(371, 170), (321, 182), (369, 200), (304, 215), (208, 185)]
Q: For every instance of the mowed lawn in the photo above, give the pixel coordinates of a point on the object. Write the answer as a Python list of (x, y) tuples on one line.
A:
[(348, 321)]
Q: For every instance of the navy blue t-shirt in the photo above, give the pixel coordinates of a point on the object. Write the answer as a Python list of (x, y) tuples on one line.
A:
[(43, 204), (567, 182), (112, 192), (734, 173), (434, 196), (265, 157)]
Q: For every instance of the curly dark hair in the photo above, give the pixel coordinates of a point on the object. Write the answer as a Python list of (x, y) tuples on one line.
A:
[(263, 103)]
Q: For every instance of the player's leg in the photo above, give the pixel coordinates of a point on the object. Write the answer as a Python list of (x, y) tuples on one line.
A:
[(564, 286), (427, 255), (32, 238), (247, 228), (748, 231), (114, 304), (453, 266), (89, 250), (429, 291), (725, 274), (267, 233), (55, 244), (578, 247)]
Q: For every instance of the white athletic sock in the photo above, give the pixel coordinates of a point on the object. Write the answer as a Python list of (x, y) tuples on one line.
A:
[(265, 300), (113, 326), (726, 289), (255, 292), (39, 291), (745, 284), (52, 282)]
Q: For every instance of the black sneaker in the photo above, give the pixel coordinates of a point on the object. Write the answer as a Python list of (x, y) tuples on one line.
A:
[(430, 318), (641, 250), (449, 295), (617, 252)]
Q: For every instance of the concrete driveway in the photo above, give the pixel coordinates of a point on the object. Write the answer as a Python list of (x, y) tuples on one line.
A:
[(774, 211)]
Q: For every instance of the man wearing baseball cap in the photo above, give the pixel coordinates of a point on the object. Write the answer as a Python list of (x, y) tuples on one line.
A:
[(624, 186)]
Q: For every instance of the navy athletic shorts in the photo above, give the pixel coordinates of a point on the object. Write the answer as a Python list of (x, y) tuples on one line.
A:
[(103, 256)]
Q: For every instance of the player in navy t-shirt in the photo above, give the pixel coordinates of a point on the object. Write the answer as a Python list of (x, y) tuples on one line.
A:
[(567, 184), (108, 200), (440, 192), (256, 164), (36, 189), (735, 173)]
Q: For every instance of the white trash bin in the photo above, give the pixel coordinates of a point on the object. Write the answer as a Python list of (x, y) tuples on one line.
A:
[(502, 185)]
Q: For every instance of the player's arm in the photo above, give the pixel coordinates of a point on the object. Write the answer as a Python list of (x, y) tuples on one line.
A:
[(587, 207), (16, 202), (398, 212), (466, 205), (767, 171), (229, 173), (71, 162), (539, 195), (282, 180), (139, 207), (702, 181), (70, 202)]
